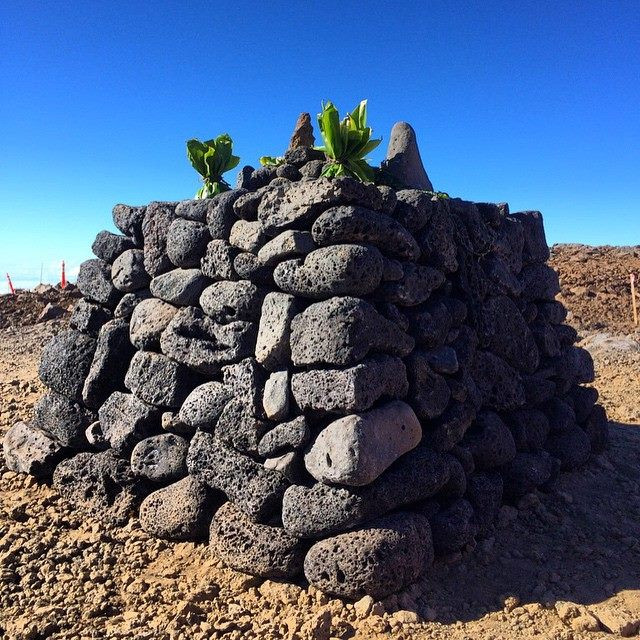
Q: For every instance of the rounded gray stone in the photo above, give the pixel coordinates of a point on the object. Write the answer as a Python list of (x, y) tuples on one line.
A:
[(160, 458), (65, 363), (287, 244), (108, 246), (187, 242), (89, 317), (227, 301), (403, 161), (293, 434), (356, 449), (63, 418), (94, 282), (149, 319), (272, 347), (204, 404), (28, 449), (128, 273), (181, 511), (363, 226), (258, 549), (181, 287), (385, 556), (346, 269), (342, 331)]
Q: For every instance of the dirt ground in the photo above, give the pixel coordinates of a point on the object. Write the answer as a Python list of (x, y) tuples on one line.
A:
[(563, 565)]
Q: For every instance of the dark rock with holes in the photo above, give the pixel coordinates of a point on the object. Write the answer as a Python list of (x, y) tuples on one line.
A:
[(534, 249), (63, 418), (239, 427), (193, 210), (108, 246), (89, 317), (161, 458), (217, 262), (453, 527), (415, 287), (502, 329), (158, 380), (94, 283), (187, 242), (204, 404), (227, 301), (529, 427), (429, 392), (358, 225), (499, 384), (253, 489), (110, 363), (129, 302), (539, 283), (180, 287), (296, 206), (526, 472), (129, 219), (414, 208), (247, 266), (489, 441), (342, 331), (128, 273), (155, 228), (181, 511), (286, 436), (65, 362), (149, 319), (572, 447), (377, 560), (220, 215), (353, 389), (194, 339), (321, 510), (125, 420), (447, 430), (484, 493), (28, 449), (101, 484), (259, 549)]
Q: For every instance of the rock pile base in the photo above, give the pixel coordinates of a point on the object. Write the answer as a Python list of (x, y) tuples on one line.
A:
[(316, 375)]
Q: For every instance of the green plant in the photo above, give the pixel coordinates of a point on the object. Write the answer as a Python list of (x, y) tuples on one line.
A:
[(347, 142), (441, 195), (211, 159), (271, 161)]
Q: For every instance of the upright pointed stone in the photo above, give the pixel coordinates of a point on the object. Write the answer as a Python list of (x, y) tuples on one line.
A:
[(403, 160), (303, 133)]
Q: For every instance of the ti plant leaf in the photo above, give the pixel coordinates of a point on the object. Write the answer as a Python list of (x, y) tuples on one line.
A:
[(347, 142), (211, 159), (271, 161)]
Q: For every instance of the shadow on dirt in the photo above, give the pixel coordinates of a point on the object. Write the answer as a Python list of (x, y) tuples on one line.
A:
[(578, 543)]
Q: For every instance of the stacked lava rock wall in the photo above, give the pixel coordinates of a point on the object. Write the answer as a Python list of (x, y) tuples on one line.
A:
[(321, 376)]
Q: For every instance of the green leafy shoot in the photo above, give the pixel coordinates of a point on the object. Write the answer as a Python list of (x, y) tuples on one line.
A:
[(271, 161), (347, 142), (441, 195), (211, 159)]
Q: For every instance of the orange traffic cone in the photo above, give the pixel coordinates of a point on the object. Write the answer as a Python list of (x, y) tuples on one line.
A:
[(13, 291), (63, 279)]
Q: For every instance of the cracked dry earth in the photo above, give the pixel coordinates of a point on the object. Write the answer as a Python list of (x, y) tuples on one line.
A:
[(561, 565)]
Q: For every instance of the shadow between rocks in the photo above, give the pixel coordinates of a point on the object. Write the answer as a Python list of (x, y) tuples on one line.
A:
[(579, 543)]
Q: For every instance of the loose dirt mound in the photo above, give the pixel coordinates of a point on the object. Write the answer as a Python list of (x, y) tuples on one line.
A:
[(595, 284), (25, 307)]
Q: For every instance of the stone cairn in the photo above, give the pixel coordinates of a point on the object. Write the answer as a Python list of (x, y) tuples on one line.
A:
[(321, 376)]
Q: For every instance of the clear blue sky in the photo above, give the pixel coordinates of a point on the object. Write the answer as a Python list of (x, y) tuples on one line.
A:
[(531, 102)]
